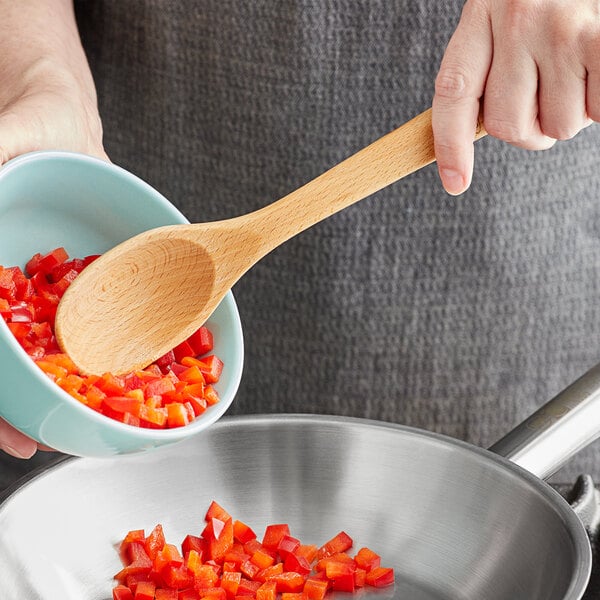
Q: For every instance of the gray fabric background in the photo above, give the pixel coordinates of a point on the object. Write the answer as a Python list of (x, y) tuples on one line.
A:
[(457, 315)]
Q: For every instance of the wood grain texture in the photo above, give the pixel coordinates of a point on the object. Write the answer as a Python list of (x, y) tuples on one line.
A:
[(149, 293)]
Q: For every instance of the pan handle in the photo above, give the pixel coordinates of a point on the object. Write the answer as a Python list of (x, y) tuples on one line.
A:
[(558, 430)]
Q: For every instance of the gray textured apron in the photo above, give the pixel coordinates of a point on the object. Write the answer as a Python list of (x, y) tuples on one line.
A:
[(458, 315)]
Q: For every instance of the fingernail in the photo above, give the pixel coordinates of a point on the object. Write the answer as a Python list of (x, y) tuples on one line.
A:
[(453, 181), (17, 453)]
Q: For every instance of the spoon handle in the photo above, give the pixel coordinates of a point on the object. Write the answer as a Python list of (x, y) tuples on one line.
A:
[(385, 161)]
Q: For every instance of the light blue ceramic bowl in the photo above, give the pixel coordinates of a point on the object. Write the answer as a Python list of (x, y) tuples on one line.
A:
[(51, 199)]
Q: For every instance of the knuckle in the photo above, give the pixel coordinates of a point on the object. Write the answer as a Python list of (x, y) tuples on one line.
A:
[(571, 32), (444, 149), (520, 16), (505, 130), (560, 131), (593, 112), (451, 82)]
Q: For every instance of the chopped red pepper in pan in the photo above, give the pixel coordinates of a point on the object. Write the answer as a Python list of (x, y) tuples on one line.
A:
[(171, 392), (227, 561)]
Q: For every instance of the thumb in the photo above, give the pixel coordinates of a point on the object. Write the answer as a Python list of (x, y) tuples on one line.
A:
[(15, 443), (459, 85)]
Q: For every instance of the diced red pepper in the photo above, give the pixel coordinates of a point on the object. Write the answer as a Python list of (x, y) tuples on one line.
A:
[(267, 591), (273, 535), (205, 577), (247, 587), (192, 375), (230, 582), (262, 558), (33, 264), (292, 596), (210, 395), (344, 583), (5, 311), (182, 350), (214, 593), (315, 589), (166, 594), (287, 544), (242, 532), (219, 546), (211, 367), (249, 569), (177, 415), (52, 259), (21, 312), (139, 561), (360, 577), (177, 577), (339, 543), (335, 569), (145, 591), (229, 563), (288, 581), (367, 559), (123, 404), (299, 564), (380, 577), (135, 535), (122, 592), (201, 341), (189, 594), (155, 542), (251, 546), (134, 579), (308, 551), (192, 542), (266, 574)]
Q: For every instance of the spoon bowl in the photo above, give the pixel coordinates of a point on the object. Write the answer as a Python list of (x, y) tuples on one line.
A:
[(52, 199)]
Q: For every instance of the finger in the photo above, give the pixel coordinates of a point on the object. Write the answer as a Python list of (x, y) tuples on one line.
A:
[(592, 104), (593, 77), (562, 96), (15, 443), (458, 88), (511, 103)]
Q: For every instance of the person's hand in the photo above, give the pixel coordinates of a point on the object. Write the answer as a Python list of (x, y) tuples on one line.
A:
[(47, 94), (534, 65), (47, 102)]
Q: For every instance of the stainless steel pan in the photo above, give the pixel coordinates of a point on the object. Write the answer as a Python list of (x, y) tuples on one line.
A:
[(455, 521)]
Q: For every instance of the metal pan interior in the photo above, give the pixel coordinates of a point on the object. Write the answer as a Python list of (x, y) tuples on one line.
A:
[(454, 521)]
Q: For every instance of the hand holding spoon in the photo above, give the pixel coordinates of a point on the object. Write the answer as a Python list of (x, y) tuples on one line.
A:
[(148, 294)]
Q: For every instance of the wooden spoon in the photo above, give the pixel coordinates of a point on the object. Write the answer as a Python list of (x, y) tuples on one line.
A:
[(148, 294)]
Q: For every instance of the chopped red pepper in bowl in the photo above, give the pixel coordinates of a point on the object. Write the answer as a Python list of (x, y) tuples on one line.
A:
[(171, 392), (227, 561)]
